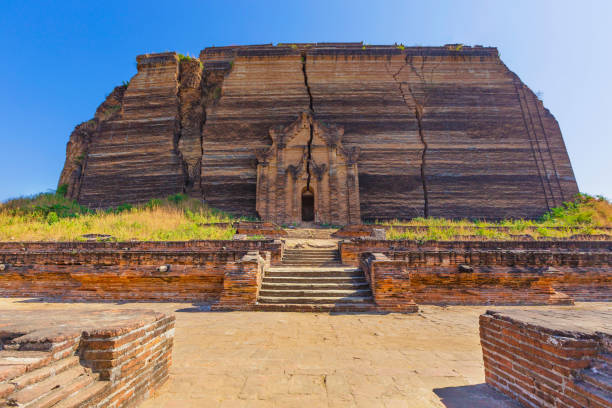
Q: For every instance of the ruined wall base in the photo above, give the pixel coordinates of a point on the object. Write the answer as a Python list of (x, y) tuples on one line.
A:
[(554, 358)]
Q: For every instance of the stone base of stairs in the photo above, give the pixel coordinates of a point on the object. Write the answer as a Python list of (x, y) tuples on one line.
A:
[(314, 280)]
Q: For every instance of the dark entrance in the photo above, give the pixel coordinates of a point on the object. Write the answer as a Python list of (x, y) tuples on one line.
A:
[(307, 206)]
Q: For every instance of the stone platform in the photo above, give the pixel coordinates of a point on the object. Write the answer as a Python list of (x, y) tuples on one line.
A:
[(72, 358), (550, 358)]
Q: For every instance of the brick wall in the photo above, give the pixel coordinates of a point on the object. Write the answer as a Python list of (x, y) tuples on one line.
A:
[(102, 359), (542, 361), (480, 273), (136, 360), (390, 283), (161, 271)]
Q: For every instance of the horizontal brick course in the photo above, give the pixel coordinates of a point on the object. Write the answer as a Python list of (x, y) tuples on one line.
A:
[(539, 359), (125, 271)]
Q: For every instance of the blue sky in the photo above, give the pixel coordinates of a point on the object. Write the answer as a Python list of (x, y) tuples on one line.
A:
[(60, 59)]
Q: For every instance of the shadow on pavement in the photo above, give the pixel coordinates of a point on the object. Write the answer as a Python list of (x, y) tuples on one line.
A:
[(474, 396)]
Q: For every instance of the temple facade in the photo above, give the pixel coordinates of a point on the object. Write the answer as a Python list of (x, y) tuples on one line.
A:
[(326, 133)]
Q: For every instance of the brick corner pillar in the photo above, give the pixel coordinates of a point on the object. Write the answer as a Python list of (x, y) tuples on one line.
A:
[(549, 276), (390, 283), (241, 283)]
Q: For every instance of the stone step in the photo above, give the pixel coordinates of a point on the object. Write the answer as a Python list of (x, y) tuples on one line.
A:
[(605, 358), (39, 394), (311, 251), (314, 286), (318, 251), (313, 274), (311, 255), (602, 378), (593, 390), (311, 264), (42, 373), (315, 300), (309, 258), (322, 307), (306, 293), (91, 394), (65, 391), (329, 280), (331, 268)]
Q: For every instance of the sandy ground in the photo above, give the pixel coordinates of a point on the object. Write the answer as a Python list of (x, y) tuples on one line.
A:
[(264, 359)]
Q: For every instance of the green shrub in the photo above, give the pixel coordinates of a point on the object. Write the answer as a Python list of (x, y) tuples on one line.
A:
[(177, 198), (52, 218), (153, 203), (63, 189)]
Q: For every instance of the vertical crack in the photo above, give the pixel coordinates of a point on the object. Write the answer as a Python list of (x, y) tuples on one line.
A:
[(311, 110), (418, 113)]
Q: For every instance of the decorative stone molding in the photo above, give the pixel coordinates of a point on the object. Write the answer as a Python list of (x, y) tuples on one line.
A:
[(307, 155)]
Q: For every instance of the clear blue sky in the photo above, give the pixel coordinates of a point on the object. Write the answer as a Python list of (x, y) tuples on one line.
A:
[(60, 59)]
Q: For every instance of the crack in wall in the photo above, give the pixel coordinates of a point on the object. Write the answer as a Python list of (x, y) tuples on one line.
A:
[(418, 113), (311, 124)]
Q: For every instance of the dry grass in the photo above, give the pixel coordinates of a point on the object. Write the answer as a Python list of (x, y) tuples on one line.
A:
[(49, 217), (586, 215)]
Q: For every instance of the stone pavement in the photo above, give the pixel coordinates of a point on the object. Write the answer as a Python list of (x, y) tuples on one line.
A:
[(269, 359)]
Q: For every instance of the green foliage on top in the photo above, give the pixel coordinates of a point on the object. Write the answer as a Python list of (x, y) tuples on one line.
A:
[(585, 215), (188, 57)]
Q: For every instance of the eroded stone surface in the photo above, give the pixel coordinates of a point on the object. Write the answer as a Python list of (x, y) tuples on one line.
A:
[(244, 359), (440, 131)]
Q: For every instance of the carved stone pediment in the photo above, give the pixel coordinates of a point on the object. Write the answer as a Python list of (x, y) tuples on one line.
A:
[(307, 155)]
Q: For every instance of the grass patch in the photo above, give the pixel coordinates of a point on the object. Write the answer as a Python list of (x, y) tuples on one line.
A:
[(585, 215), (52, 217)]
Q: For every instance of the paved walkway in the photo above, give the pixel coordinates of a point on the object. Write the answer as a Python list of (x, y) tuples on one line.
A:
[(259, 359)]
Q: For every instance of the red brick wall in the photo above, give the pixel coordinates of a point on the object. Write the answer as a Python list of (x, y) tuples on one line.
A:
[(135, 360), (130, 350), (390, 283), (477, 273), (540, 367), (124, 271), (241, 283)]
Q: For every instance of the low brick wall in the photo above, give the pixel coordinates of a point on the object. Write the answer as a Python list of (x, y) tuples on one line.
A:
[(479, 273), (241, 283), (128, 351), (157, 271), (390, 283), (556, 358)]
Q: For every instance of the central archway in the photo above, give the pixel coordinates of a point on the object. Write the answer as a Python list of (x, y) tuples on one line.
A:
[(307, 206)]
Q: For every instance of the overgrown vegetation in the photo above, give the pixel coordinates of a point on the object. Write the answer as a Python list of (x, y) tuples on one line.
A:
[(586, 215), (53, 217), (188, 57)]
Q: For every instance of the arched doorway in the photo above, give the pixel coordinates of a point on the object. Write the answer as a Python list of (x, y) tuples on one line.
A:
[(307, 206)]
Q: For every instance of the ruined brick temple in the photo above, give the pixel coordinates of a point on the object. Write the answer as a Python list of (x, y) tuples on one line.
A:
[(333, 133)]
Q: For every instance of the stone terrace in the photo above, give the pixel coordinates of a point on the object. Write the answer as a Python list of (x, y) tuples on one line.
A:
[(75, 358), (246, 359)]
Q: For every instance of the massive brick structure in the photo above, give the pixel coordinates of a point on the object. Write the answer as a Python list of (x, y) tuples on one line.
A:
[(334, 132)]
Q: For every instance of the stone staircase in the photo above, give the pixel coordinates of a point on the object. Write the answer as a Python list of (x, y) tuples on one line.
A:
[(597, 380), (41, 383), (314, 280)]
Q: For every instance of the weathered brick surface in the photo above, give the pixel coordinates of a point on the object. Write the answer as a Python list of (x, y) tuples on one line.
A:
[(241, 283), (122, 271), (129, 349), (549, 358), (390, 283), (480, 273)]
